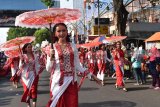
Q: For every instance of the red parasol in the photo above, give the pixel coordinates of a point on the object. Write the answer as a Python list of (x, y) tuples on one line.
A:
[(12, 53), (90, 44), (118, 38), (13, 46), (99, 39), (115, 38), (47, 17)]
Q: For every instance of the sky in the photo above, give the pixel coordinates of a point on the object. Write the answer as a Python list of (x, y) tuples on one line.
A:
[(3, 34), (21, 4)]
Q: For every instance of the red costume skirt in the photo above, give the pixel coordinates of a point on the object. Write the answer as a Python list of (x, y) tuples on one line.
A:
[(119, 75), (91, 68), (32, 93), (70, 97), (14, 78), (102, 67)]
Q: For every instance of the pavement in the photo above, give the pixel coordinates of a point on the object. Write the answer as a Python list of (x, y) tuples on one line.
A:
[(90, 95)]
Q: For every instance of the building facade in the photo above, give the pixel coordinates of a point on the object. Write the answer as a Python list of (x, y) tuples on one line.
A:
[(77, 27)]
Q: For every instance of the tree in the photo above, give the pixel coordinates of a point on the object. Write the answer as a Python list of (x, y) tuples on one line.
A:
[(48, 3), (41, 35), (121, 15), (19, 32)]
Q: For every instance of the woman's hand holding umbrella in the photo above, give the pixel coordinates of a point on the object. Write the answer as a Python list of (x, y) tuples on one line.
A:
[(52, 54)]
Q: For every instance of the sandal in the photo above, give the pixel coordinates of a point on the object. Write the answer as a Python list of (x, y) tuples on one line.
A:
[(124, 89)]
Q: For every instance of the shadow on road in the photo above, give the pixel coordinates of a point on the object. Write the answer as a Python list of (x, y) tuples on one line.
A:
[(5, 101), (137, 88), (43, 92), (4, 94), (88, 89), (109, 104)]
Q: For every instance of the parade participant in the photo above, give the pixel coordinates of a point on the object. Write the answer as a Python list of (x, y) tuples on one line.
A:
[(30, 68), (43, 51), (63, 64), (102, 59), (91, 58), (82, 56), (108, 64), (118, 59), (13, 63)]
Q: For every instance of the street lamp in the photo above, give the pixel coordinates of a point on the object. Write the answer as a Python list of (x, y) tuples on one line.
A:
[(98, 4)]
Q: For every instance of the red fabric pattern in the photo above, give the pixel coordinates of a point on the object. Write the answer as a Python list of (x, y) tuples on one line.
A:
[(71, 60), (82, 57), (61, 60), (102, 62), (69, 97), (32, 93), (14, 78)]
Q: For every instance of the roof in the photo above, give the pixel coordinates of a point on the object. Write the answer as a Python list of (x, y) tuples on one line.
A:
[(154, 37)]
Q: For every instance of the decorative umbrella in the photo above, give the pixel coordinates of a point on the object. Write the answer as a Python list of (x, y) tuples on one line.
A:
[(118, 38), (114, 39), (90, 44), (13, 46), (99, 39), (13, 53), (47, 18), (102, 39)]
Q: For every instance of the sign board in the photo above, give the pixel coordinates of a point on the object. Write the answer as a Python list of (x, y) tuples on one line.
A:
[(102, 21), (103, 30)]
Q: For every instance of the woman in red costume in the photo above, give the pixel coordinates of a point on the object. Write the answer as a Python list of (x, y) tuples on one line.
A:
[(82, 56), (13, 63), (63, 64), (118, 58), (91, 58), (102, 59), (29, 70)]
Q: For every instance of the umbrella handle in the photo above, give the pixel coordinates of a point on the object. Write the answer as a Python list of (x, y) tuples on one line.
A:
[(50, 30), (20, 50)]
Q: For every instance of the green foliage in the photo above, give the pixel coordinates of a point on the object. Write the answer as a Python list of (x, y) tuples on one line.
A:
[(41, 35), (19, 32), (48, 3)]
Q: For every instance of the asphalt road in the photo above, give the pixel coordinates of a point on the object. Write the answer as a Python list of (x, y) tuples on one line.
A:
[(90, 94)]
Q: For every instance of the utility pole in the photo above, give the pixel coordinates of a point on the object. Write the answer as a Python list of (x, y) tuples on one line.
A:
[(84, 21), (98, 19)]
